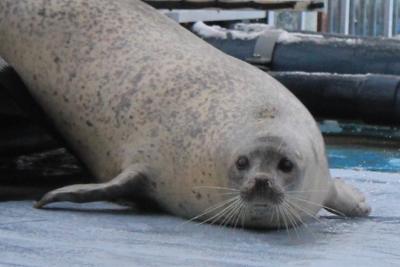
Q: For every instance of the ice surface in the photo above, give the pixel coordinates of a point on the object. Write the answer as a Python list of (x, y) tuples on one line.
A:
[(103, 234)]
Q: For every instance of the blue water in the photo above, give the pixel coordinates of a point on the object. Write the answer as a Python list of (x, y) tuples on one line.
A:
[(365, 158)]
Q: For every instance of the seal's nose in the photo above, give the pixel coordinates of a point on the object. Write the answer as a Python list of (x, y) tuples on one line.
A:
[(261, 188), (263, 183)]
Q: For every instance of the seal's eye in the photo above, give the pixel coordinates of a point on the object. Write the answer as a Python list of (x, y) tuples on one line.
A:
[(285, 165), (242, 163)]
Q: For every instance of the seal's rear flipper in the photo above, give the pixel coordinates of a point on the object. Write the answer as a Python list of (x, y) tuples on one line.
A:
[(346, 200), (129, 184)]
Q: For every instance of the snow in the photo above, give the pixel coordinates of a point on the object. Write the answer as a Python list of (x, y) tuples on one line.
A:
[(291, 37), (206, 31), (321, 74), (241, 31), (250, 31), (253, 27)]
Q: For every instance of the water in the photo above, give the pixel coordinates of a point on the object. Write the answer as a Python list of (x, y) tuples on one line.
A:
[(364, 158)]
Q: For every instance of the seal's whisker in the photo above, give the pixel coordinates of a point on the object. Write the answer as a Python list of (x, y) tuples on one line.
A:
[(307, 212), (271, 219), (296, 213), (278, 216), (216, 187), (243, 216), (221, 213), (213, 219), (210, 209), (289, 184), (217, 216), (239, 213), (235, 213), (308, 191), (284, 219), (229, 213), (229, 193), (298, 222), (318, 205), (289, 218), (292, 219)]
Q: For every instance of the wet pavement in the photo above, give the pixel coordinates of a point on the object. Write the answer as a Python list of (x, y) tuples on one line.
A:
[(103, 234)]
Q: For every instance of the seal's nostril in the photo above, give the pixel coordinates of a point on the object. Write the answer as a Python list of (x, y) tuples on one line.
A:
[(262, 182)]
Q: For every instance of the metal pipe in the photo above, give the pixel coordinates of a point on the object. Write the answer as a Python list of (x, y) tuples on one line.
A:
[(319, 53), (371, 98)]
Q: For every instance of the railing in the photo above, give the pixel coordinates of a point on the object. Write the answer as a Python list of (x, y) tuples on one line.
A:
[(364, 17)]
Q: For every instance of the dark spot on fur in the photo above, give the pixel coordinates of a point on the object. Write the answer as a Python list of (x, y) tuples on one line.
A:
[(154, 184), (266, 113), (42, 12), (89, 123), (57, 60), (72, 75), (198, 196)]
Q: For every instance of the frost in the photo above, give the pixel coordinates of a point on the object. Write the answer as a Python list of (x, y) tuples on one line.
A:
[(206, 31), (241, 31)]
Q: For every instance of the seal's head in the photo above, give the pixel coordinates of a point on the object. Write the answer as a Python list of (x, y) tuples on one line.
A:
[(263, 172), (274, 182)]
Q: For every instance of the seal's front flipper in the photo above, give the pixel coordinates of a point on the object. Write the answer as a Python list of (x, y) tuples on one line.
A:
[(128, 184), (346, 200)]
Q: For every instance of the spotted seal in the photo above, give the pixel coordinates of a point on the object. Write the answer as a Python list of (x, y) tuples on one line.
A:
[(157, 114)]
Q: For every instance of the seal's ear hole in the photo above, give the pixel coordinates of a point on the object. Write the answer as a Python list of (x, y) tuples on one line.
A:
[(285, 165), (242, 163)]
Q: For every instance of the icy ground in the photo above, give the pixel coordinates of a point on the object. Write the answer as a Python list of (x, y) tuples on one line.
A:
[(102, 234)]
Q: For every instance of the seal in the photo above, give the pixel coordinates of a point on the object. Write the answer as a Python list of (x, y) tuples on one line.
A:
[(157, 114)]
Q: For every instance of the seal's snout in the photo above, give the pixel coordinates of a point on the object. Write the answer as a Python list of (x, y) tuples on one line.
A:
[(263, 182), (262, 189)]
